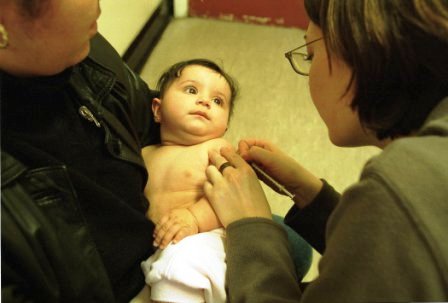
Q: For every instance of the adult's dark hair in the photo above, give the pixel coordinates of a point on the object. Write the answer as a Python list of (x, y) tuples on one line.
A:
[(398, 52), (32, 8), (175, 71)]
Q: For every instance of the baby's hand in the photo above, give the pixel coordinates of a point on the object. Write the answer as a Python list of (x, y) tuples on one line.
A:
[(175, 226)]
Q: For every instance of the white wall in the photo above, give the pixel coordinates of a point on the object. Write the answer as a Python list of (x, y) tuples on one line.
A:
[(180, 8), (121, 20)]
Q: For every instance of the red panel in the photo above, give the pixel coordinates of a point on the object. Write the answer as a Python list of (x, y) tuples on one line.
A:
[(289, 13)]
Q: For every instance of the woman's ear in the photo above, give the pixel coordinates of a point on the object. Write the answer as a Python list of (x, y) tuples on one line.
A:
[(156, 104)]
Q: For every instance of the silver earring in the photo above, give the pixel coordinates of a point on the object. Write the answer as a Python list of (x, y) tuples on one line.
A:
[(4, 41)]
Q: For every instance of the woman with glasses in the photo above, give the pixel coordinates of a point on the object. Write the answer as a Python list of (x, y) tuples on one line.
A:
[(378, 75)]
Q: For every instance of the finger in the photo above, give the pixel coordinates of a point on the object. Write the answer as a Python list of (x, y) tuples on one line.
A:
[(243, 149), (169, 235), (260, 156), (250, 142), (245, 145), (212, 173), (158, 237), (208, 189), (232, 157), (162, 230), (159, 225), (182, 233), (216, 158), (213, 197)]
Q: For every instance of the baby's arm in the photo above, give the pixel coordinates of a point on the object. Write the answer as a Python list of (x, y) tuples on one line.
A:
[(205, 215), (183, 222), (175, 226)]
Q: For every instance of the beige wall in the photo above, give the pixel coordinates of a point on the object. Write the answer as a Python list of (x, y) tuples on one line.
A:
[(122, 20)]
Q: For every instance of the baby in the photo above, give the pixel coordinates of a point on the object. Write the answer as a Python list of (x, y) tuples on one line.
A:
[(195, 104)]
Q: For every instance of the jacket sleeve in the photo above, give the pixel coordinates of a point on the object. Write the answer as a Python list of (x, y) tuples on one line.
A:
[(311, 222), (374, 253), (259, 269)]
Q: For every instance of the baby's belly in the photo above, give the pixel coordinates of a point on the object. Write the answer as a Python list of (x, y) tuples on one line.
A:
[(162, 204)]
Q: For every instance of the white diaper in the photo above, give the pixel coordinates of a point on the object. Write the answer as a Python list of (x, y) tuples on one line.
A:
[(193, 270)]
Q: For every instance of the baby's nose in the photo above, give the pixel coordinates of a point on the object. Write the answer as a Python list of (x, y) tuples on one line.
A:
[(204, 102)]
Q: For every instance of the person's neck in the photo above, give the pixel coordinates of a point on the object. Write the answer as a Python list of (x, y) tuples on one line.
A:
[(182, 139), (40, 82)]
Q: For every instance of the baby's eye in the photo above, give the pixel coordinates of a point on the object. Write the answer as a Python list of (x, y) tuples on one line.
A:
[(217, 101), (191, 90)]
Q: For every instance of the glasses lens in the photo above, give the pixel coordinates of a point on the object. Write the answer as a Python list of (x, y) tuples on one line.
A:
[(301, 62)]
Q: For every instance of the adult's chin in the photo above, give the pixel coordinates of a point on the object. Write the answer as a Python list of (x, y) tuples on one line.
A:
[(76, 58), (82, 54)]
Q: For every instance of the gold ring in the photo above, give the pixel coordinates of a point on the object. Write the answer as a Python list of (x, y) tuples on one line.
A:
[(224, 166)]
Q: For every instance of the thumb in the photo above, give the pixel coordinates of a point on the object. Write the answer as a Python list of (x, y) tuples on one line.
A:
[(261, 156)]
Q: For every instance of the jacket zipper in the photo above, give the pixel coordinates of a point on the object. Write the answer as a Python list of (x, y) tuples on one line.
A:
[(87, 114)]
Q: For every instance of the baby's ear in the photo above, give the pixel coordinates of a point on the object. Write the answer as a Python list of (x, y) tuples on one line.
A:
[(156, 104)]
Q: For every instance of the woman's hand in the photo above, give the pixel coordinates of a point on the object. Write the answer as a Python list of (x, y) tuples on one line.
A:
[(235, 193), (285, 170), (175, 226)]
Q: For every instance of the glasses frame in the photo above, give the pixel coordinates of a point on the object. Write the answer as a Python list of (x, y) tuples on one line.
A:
[(289, 56)]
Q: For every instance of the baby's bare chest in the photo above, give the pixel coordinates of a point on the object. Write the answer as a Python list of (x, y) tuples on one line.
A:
[(178, 169)]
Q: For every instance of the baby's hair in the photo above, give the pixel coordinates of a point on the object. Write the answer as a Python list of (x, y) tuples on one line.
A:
[(175, 71)]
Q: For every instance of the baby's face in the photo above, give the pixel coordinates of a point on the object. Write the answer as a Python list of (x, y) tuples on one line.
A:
[(196, 105)]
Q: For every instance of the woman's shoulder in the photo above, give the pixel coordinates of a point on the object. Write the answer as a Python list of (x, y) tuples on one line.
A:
[(410, 176), (422, 154), (413, 168), (411, 158)]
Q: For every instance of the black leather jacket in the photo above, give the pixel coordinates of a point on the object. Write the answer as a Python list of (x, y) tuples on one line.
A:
[(47, 249)]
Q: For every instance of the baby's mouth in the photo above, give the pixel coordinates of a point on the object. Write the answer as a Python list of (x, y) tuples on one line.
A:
[(201, 113)]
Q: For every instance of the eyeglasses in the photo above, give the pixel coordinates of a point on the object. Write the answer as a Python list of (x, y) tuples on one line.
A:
[(300, 59)]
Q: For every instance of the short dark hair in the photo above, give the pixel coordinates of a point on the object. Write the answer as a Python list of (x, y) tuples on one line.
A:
[(32, 8), (175, 70), (397, 50)]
